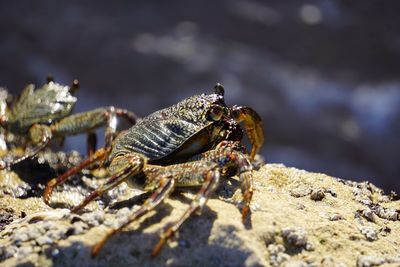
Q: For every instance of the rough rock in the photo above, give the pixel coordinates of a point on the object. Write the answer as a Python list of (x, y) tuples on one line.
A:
[(298, 219)]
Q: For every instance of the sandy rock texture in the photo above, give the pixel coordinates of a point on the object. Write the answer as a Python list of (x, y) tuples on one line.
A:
[(298, 219)]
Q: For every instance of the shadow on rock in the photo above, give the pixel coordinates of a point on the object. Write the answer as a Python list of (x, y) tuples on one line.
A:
[(133, 248), (129, 203)]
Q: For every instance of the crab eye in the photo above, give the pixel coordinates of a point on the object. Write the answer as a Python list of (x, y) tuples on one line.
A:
[(215, 113)]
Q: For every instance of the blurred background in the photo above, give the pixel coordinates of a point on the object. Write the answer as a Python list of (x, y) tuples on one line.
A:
[(323, 75)]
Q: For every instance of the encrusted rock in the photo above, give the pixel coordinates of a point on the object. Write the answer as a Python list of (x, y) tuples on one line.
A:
[(387, 213), (369, 233), (368, 214), (296, 237), (277, 255), (317, 194), (300, 191), (369, 261), (287, 228), (295, 263)]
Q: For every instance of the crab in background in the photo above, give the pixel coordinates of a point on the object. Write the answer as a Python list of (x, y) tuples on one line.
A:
[(193, 143), (45, 113)]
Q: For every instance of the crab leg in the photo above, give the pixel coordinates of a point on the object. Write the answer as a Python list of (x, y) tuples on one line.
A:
[(132, 164), (166, 185), (75, 124), (209, 185), (128, 115), (246, 180), (90, 120), (91, 141), (229, 153), (252, 125), (40, 135), (163, 180), (98, 155)]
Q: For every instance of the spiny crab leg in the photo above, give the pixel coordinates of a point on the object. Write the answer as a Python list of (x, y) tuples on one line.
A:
[(163, 180), (133, 164), (41, 135), (208, 187), (230, 153), (253, 126), (166, 185), (98, 155)]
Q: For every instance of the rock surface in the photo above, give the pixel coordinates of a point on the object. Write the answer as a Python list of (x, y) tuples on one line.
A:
[(298, 219)]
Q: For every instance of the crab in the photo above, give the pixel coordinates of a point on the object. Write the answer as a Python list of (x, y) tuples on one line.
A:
[(193, 143), (44, 113)]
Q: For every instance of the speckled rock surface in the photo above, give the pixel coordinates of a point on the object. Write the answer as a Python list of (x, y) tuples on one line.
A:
[(298, 219)]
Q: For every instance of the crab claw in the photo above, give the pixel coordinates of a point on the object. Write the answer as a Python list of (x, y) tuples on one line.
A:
[(253, 126)]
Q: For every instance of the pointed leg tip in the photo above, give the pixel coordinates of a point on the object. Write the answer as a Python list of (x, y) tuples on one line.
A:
[(254, 151), (79, 207), (75, 209), (154, 253), (49, 190), (164, 238), (95, 250), (245, 214), (157, 248), (252, 156), (46, 200)]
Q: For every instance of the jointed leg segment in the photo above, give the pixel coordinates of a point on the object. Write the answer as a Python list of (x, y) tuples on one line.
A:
[(208, 187), (76, 124), (132, 164), (40, 135), (98, 155), (229, 154), (204, 172), (166, 185), (90, 120), (162, 180)]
